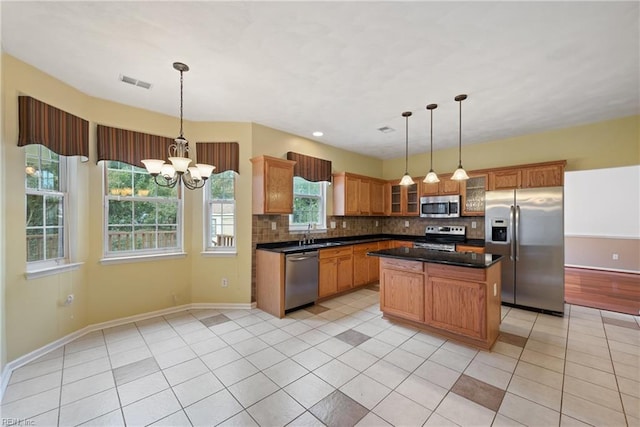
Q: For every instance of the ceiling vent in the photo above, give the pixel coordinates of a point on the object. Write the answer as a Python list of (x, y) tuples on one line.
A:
[(386, 129), (135, 82)]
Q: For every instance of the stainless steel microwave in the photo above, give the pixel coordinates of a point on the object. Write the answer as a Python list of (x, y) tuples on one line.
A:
[(440, 206)]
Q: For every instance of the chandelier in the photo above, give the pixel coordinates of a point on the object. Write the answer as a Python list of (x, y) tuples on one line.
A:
[(169, 174)]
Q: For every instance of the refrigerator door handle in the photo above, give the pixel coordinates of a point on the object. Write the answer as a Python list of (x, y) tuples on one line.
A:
[(517, 243), (511, 243)]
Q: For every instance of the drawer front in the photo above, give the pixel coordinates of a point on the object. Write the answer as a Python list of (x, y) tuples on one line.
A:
[(455, 272), (335, 252), (399, 264)]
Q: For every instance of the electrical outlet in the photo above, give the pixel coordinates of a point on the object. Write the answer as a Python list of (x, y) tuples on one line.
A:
[(225, 282), (376, 223), (474, 224), (344, 224), (495, 289), (332, 224), (615, 257), (406, 223), (274, 225)]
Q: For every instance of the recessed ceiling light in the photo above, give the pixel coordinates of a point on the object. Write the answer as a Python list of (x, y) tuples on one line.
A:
[(317, 133)]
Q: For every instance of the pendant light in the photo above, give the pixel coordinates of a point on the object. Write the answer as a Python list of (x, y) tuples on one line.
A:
[(432, 177), (460, 174), (170, 174), (406, 178)]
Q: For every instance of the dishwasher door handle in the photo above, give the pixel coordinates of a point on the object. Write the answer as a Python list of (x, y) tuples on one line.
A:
[(300, 258)]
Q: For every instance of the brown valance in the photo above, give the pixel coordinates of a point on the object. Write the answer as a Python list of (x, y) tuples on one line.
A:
[(310, 168), (131, 147), (61, 132), (225, 156)]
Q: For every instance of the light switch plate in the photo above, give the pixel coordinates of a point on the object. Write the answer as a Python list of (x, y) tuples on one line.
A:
[(274, 225), (332, 224), (344, 224)]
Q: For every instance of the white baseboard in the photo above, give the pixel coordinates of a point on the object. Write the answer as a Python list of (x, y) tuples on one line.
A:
[(39, 352)]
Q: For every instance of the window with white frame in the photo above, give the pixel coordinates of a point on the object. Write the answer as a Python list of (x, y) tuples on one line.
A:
[(141, 218), (309, 205), (46, 197), (220, 214)]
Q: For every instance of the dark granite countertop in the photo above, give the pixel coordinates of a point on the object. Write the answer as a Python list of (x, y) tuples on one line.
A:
[(292, 246), (461, 259)]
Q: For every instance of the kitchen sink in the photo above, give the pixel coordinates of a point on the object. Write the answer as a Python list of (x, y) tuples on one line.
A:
[(310, 246)]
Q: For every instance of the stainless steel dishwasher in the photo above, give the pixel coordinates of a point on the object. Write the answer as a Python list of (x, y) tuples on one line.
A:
[(301, 279)]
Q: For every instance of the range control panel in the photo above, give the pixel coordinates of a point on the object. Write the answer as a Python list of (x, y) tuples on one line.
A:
[(457, 230)]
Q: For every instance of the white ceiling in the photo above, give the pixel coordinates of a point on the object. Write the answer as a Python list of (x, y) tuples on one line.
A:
[(347, 68)]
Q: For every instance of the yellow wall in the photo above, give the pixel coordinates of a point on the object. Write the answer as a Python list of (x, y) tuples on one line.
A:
[(607, 144), (32, 315), (3, 311)]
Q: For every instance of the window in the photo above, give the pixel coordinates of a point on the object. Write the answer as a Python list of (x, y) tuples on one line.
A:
[(142, 218), (220, 216), (308, 205), (45, 186)]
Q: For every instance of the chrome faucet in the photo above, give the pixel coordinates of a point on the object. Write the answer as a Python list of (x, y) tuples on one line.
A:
[(306, 239)]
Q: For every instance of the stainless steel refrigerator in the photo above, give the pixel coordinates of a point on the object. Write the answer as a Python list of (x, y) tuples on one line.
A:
[(526, 226)]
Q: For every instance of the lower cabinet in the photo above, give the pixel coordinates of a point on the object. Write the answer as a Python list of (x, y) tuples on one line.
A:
[(456, 306), (335, 270), (402, 294), (365, 268), (459, 301)]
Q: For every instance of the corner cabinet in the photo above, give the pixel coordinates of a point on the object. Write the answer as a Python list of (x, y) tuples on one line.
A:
[(272, 186)]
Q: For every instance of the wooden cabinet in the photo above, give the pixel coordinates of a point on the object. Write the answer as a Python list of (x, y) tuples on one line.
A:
[(270, 282), (272, 187), (365, 268), (445, 187), (404, 200), (377, 197), (402, 288), (472, 194), (457, 306), (335, 272), (467, 248), (551, 175), (401, 244), (505, 179), (357, 195)]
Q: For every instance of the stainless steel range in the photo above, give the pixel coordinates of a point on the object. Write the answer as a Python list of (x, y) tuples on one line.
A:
[(442, 238)]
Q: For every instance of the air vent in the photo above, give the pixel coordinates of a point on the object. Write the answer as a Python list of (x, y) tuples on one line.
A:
[(135, 82), (386, 129)]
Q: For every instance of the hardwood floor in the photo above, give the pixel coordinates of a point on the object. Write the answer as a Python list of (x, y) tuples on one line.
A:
[(607, 290)]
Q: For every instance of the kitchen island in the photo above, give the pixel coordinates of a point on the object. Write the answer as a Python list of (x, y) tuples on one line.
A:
[(454, 294)]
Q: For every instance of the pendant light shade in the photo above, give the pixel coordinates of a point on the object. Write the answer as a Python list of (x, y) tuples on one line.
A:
[(406, 178), (432, 177), (460, 174)]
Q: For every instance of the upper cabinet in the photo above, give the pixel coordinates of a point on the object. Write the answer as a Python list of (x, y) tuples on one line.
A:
[(404, 200), (472, 193), (272, 185), (357, 195), (550, 174), (445, 187)]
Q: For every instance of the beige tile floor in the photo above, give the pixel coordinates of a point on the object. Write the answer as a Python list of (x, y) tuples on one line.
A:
[(340, 364)]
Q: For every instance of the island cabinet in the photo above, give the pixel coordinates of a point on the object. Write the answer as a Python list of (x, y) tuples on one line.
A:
[(272, 186), (402, 288), (459, 302), (335, 270), (469, 248)]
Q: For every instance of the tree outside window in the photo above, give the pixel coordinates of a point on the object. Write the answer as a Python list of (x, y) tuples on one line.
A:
[(142, 217), (220, 226), (45, 204), (308, 205)]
